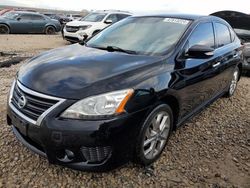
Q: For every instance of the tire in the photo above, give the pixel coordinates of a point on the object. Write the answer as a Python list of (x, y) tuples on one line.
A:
[(153, 137), (233, 84), (4, 29), (50, 30)]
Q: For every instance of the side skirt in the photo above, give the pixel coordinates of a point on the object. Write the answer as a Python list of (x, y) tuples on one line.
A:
[(198, 109)]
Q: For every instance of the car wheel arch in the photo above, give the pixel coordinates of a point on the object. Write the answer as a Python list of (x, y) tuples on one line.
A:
[(49, 26), (7, 25), (173, 102)]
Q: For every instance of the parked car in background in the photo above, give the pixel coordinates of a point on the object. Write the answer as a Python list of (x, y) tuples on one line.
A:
[(91, 24), (61, 18), (119, 96), (74, 16), (241, 25), (27, 22), (244, 35)]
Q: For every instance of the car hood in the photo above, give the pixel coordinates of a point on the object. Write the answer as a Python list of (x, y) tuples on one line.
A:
[(77, 71), (78, 23)]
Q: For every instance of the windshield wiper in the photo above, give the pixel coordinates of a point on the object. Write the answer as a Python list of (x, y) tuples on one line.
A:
[(114, 49), (118, 49)]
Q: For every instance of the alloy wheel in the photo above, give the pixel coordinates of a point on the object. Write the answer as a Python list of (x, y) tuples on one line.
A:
[(50, 30), (156, 135), (4, 29)]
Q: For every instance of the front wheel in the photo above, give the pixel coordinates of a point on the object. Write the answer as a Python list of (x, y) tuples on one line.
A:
[(154, 135), (50, 30), (4, 29), (234, 82)]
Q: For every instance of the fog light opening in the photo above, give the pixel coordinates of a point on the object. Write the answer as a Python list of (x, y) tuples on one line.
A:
[(66, 156)]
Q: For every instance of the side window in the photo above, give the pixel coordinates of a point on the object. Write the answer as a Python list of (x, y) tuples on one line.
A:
[(37, 17), (223, 34), (112, 17), (26, 17), (122, 16), (202, 35)]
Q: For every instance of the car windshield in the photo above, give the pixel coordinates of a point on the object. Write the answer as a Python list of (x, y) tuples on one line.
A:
[(10, 15), (94, 17), (143, 35)]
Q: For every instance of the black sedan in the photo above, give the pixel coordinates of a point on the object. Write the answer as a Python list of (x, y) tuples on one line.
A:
[(119, 96), (20, 22)]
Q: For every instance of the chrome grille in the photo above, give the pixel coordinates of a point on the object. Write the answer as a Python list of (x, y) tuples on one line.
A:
[(72, 29), (34, 105)]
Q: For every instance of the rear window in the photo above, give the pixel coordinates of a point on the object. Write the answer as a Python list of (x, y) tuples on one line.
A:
[(223, 34)]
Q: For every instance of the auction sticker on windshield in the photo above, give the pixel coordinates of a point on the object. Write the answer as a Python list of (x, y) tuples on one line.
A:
[(175, 20)]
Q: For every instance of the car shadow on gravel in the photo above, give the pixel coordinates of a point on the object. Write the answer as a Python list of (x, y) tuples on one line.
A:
[(8, 59)]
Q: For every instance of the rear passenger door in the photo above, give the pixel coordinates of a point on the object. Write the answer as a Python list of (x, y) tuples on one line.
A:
[(226, 51), (38, 23)]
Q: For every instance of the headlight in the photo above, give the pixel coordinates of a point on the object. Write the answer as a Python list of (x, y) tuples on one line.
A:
[(99, 105), (83, 27)]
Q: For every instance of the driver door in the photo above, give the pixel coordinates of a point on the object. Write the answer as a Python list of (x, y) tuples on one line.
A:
[(23, 24), (201, 75)]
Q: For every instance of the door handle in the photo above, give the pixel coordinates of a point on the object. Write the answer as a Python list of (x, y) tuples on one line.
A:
[(216, 64)]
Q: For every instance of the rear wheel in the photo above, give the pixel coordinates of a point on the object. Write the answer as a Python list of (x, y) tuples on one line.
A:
[(50, 30), (4, 29), (234, 82), (154, 135)]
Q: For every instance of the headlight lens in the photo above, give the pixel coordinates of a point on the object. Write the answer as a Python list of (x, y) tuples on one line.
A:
[(83, 27), (99, 105)]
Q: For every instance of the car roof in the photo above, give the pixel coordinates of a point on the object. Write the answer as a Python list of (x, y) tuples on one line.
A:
[(180, 16), (112, 11), (187, 17), (27, 12)]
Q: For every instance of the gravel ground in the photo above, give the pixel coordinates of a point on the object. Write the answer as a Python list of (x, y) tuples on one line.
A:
[(211, 150)]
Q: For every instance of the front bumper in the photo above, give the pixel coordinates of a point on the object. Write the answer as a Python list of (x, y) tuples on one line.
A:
[(75, 37), (246, 64), (96, 145)]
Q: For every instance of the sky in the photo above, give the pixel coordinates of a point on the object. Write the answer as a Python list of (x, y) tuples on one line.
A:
[(138, 6)]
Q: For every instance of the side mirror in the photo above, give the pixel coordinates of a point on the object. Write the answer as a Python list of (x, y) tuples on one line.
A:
[(108, 21), (200, 51)]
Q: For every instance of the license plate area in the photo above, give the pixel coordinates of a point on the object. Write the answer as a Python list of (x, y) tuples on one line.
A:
[(20, 124)]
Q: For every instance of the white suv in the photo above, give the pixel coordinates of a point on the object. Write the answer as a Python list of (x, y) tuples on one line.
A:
[(91, 24)]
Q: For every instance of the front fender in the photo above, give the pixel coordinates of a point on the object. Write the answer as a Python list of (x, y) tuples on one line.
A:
[(5, 23)]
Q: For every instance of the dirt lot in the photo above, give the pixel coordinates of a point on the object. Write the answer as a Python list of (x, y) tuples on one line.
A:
[(211, 150)]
